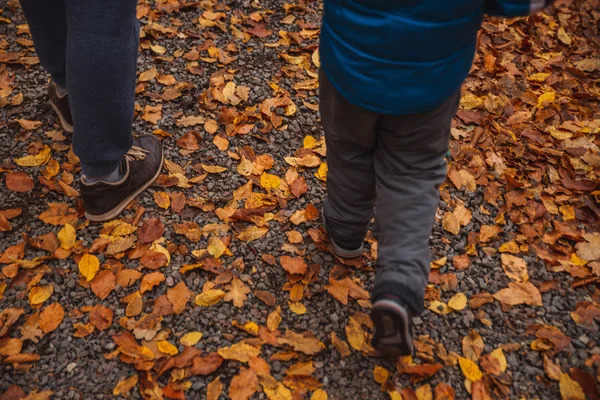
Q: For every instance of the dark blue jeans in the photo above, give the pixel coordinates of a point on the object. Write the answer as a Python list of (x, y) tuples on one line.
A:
[(90, 48)]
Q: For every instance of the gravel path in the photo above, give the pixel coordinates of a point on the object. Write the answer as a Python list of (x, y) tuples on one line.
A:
[(508, 160)]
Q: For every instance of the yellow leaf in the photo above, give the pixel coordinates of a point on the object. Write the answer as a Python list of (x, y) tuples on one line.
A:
[(162, 199), (191, 338), (269, 181), (216, 247), (209, 297), (252, 233), (278, 393), (39, 294), (539, 77), (40, 158), (470, 369), (570, 389), (545, 99), (125, 386), (319, 394), (321, 173), (498, 354), (439, 307), (89, 266), (250, 327), (214, 389), (310, 142), (469, 101), (424, 392), (274, 319), (563, 36), (380, 374), (166, 347), (296, 307), (240, 352), (394, 395), (458, 302), (67, 237)]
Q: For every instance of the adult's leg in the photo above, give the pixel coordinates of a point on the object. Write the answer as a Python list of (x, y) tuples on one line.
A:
[(410, 165), (350, 139), (102, 47), (48, 26)]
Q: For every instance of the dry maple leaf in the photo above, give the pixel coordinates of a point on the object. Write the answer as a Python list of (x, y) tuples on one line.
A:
[(244, 385), (293, 265), (237, 292)]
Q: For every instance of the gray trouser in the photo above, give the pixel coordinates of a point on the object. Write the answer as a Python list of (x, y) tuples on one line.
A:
[(90, 48), (389, 167)]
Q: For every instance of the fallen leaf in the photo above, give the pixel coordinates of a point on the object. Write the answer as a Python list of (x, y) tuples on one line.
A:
[(293, 265), (240, 351), (214, 389), (237, 292), (19, 182), (519, 293), (178, 296), (191, 338), (101, 317), (39, 294), (570, 389), (515, 268), (89, 266), (209, 297), (125, 386), (470, 369), (244, 385), (458, 302)]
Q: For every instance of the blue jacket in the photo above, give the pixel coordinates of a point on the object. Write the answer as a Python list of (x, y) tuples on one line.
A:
[(405, 56)]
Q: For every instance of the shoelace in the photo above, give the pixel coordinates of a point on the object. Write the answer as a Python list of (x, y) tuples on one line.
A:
[(136, 154)]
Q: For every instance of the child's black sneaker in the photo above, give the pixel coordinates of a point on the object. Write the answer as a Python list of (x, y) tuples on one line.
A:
[(393, 326)]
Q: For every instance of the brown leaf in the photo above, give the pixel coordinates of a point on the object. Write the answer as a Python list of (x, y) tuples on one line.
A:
[(59, 214), (340, 345), (266, 298), (10, 346), (51, 317), (421, 371), (472, 345), (189, 141), (293, 265), (190, 230), (101, 317), (151, 230), (206, 365), (103, 284), (19, 182), (151, 280), (444, 392), (179, 296), (127, 277), (515, 268), (214, 389), (244, 385)]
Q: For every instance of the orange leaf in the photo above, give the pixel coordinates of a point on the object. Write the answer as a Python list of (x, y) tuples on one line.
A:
[(103, 284), (101, 317), (19, 182), (51, 317), (293, 265), (244, 385), (179, 296), (151, 280)]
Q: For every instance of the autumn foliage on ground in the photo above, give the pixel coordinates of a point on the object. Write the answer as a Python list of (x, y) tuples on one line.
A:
[(522, 191)]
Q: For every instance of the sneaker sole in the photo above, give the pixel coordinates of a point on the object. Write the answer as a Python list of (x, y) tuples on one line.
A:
[(118, 209), (393, 321), (340, 252), (66, 126)]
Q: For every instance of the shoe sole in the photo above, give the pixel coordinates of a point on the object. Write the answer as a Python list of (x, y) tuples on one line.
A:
[(118, 209), (66, 126), (392, 323), (340, 252)]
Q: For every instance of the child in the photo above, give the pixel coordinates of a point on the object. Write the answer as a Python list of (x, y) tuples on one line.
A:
[(389, 88)]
